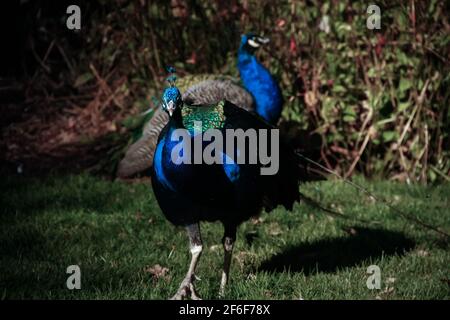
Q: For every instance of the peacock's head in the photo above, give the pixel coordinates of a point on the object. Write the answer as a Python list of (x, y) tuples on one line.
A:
[(251, 42), (171, 100)]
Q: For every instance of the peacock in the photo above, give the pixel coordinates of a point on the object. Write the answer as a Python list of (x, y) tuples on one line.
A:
[(260, 93), (229, 191)]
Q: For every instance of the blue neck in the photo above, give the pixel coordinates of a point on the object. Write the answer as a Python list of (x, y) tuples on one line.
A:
[(167, 172), (263, 87)]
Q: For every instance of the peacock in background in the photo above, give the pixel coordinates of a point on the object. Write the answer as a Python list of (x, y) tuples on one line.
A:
[(260, 93), (230, 192)]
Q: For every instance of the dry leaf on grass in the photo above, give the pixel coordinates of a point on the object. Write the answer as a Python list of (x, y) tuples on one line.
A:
[(215, 247), (274, 229), (423, 253), (138, 216), (391, 280), (157, 271), (256, 220)]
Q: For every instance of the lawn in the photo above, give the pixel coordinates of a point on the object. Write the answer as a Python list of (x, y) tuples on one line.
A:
[(117, 235)]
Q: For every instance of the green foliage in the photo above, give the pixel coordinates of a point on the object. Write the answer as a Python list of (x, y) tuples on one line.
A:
[(379, 98), (115, 232), (388, 86)]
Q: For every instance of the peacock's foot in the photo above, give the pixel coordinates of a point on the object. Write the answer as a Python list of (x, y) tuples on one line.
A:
[(186, 289)]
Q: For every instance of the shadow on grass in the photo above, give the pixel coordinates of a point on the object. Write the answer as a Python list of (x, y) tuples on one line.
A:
[(332, 254), (33, 195)]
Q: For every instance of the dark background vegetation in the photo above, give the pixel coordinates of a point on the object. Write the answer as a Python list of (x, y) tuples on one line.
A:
[(70, 102), (378, 98)]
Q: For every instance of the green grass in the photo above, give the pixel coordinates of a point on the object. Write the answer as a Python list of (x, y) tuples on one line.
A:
[(114, 231)]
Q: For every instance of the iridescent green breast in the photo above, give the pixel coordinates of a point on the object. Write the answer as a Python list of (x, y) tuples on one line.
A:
[(211, 117)]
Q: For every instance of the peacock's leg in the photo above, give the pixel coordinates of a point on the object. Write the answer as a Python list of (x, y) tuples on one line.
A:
[(187, 285), (228, 241)]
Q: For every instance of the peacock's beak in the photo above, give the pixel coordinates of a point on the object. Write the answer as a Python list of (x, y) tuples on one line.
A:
[(170, 107)]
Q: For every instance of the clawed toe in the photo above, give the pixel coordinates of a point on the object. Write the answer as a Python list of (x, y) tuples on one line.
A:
[(187, 288), (194, 295)]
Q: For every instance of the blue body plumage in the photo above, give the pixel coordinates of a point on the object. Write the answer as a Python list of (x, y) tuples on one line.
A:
[(230, 192), (260, 83), (158, 163), (231, 168)]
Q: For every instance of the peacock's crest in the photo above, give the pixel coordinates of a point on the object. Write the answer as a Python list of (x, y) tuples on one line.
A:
[(211, 117)]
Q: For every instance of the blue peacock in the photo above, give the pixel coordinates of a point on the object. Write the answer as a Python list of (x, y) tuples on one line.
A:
[(260, 94), (230, 192)]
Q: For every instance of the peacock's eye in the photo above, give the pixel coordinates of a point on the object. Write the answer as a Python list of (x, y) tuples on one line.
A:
[(253, 43)]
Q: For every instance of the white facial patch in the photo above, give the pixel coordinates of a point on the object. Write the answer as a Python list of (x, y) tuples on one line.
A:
[(170, 107), (263, 40), (253, 43)]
